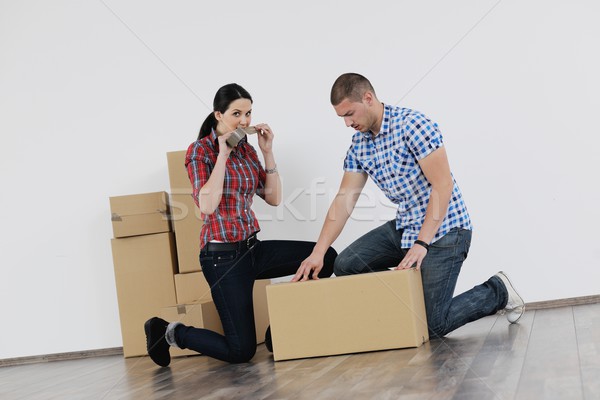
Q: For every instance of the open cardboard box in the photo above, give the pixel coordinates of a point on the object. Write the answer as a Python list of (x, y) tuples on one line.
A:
[(348, 314)]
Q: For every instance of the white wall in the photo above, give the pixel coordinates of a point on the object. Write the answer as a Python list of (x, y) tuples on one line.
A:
[(93, 94)]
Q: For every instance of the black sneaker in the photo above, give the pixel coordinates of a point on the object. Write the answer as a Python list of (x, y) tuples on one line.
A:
[(268, 341), (158, 348)]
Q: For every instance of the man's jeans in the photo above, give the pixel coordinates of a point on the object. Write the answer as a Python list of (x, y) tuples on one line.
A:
[(380, 249)]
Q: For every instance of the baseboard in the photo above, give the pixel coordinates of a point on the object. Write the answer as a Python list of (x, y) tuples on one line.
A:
[(572, 301), (536, 305), (61, 356)]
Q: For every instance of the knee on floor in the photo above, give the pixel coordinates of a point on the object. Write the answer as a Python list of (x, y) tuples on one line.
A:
[(243, 355), (436, 331)]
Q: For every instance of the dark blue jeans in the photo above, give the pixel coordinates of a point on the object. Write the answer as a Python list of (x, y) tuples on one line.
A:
[(380, 249), (231, 276)]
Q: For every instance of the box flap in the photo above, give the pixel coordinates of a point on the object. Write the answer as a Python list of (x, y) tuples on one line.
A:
[(139, 204)]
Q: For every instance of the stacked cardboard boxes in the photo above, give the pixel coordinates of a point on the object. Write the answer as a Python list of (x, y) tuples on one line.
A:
[(144, 261), (187, 221), (157, 271)]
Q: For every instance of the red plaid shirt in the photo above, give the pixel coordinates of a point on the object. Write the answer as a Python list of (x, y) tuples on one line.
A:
[(233, 220)]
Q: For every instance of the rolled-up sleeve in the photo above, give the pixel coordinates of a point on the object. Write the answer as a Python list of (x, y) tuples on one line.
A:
[(351, 163), (423, 136), (199, 168)]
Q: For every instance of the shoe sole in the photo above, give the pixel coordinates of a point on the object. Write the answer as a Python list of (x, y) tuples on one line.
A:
[(152, 342), (519, 317), (518, 296)]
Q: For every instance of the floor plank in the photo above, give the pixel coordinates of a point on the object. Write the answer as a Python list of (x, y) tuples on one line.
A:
[(587, 326), (551, 366), (550, 354), (495, 371)]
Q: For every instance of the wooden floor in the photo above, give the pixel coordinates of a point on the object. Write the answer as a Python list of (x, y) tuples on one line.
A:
[(550, 354)]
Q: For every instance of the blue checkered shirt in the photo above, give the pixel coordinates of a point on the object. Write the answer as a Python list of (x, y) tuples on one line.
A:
[(391, 160)]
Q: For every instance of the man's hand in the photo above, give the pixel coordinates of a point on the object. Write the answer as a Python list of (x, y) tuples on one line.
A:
[(313, 264), (415, 255)]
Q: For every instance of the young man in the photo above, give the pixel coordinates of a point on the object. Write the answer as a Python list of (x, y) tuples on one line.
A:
[(403, 152)]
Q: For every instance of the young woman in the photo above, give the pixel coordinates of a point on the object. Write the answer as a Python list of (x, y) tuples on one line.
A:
[(225, 180)]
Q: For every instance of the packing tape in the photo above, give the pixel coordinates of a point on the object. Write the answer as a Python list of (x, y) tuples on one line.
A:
[(116, 217), (239, 134)]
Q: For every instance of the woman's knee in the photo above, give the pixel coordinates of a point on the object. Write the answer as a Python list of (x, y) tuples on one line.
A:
[(243, 355), (328, 262), (330, 255)]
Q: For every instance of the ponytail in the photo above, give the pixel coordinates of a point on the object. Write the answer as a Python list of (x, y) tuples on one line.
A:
[(208, 125)]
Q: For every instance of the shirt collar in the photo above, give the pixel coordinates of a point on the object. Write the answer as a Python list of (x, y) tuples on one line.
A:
[(385, 123), (214, 139)]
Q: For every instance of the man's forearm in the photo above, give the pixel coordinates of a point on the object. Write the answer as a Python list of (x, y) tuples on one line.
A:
[(336, 218), (436, 211)]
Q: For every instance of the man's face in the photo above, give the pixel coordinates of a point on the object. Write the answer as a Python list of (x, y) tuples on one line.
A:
[(355, 114)]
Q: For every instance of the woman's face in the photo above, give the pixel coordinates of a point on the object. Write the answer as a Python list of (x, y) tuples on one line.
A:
[(237, 115)]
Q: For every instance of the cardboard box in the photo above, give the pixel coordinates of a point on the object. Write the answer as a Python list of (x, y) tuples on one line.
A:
[(261, 308), (187, 224), (144, 267), (199, 315), (178, 175), (140, 214), (185, 214), (348, 314), (204, 315), (191, 288)]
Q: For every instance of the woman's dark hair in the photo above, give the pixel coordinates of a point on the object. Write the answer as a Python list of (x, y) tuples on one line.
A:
[(223, 98)]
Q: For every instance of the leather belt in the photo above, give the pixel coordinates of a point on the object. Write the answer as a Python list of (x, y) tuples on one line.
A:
[(231, 246)]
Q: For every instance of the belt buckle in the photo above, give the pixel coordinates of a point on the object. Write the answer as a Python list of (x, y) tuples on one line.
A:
[(248, 244)]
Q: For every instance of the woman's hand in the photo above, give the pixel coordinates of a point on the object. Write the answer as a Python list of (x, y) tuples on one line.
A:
[(265, 138), (224, 148)]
